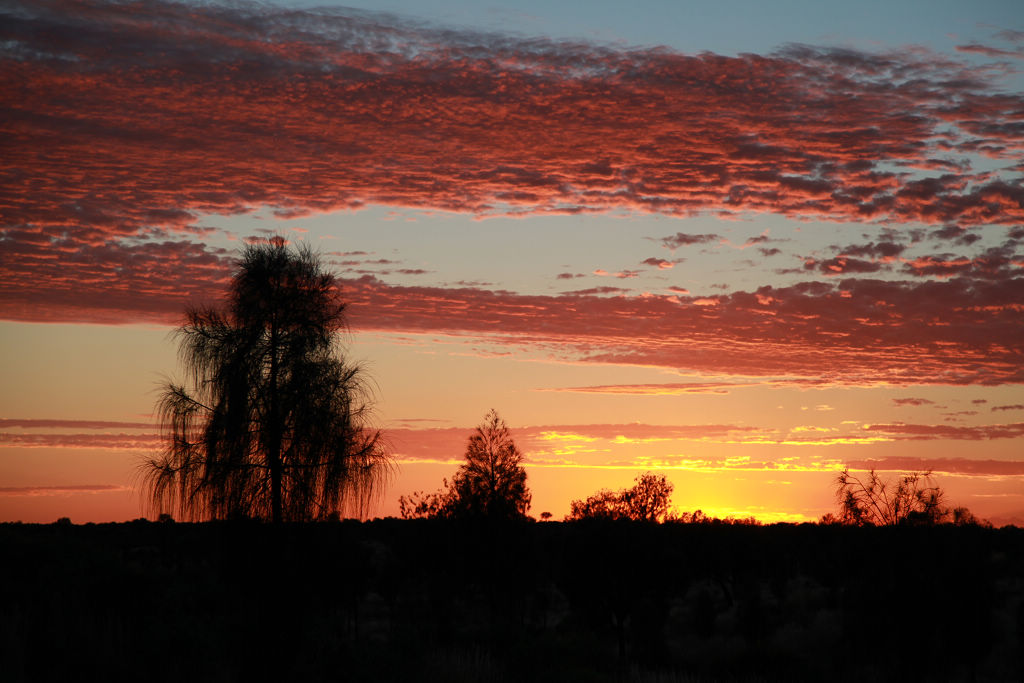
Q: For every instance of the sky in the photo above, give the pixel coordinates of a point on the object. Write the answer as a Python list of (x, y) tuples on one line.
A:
[(744, 245)]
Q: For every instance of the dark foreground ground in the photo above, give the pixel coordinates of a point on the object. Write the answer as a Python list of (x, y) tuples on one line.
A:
[(398, 600)]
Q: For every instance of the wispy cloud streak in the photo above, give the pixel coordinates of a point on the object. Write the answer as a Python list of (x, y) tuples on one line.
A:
[(849, 331), (101, 441), (43, 423), (59, 490), (617, 446)]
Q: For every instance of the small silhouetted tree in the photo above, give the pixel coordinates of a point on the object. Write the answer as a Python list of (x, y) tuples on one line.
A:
[(873, 501), (648, 499), (492, 481), (273, 424), (490, 484), (421, 505), (604, 504)]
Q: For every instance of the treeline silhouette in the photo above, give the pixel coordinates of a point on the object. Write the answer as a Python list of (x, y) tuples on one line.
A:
[(649, 500), (437, 599), (273, 424)]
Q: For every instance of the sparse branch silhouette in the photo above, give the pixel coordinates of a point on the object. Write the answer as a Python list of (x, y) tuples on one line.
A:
[(911, 498), (273, 423), (490, 484)]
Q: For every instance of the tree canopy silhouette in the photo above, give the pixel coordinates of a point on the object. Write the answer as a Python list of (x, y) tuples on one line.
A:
[(490, 484), (648, 500), (274, 422)]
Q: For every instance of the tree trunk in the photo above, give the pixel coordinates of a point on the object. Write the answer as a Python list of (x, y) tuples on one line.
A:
[(274, 434)]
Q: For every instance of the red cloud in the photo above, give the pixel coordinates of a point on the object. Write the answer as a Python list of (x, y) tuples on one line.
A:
[(683, 239), (688, 387), (883, 250), (942, 465), (955, 232), (622, 275), (7, 423), (994, 263), (940, 266), (919, 432), (141, 115), (867, 331), (659, 263), (842, 265), (854, 331), (117, 441), (989, 51), (912, 401), (58, 490), (60, 280), (131, 121)]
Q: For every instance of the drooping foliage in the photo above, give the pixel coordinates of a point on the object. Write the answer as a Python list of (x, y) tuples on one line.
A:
[(273, 422), (647, 500), (490, 484)]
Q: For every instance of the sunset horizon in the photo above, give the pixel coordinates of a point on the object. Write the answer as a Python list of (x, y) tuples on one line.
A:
[(723, 246)]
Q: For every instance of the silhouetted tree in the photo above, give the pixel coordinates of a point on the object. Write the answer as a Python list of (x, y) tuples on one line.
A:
[(604, 504), (490, 484), (647, 500), (420, 505), (961, 516), (274, 424), (872, 501)]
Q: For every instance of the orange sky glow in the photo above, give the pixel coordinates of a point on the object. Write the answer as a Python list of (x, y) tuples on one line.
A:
[(745, 270)]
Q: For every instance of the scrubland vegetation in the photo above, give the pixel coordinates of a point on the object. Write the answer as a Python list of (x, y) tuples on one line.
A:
[(440, 599), (270, 436)]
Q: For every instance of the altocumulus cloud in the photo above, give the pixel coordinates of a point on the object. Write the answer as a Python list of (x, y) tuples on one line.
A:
[(316, 100), (131, 121)]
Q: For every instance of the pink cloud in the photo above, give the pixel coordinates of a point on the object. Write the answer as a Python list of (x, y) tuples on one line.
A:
[(669, 388), (919, 432), (59, 490), (842, 265), (262, 106), (104, 441), (108, 283), (8, 423), (622, 275), (132, 121), (989, 51), (912, 402), (943, 465), (659, 263), (883, 250), (951, 331)]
